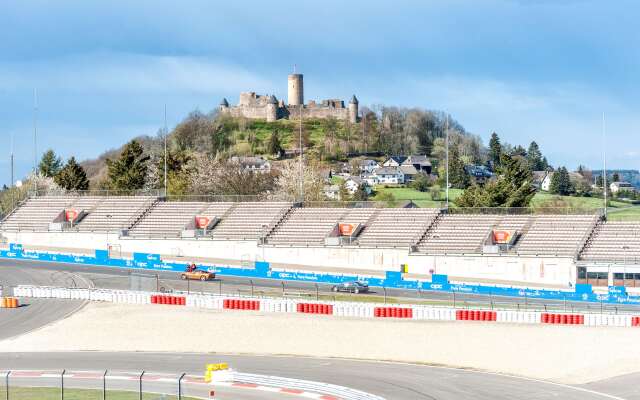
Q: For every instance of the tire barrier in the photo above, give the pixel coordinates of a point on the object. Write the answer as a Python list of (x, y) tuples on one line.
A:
[(314, 308), (166, 299), (476, 315), (338, 308), (393, 312), (235, 304), (562, 319), (9, 302)]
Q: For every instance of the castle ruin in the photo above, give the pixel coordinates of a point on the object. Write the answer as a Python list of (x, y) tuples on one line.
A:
[(269, 108)]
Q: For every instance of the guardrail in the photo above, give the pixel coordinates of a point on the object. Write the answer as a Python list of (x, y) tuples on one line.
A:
[(329, 308)]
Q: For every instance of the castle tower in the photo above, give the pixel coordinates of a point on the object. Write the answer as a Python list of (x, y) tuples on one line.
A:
[(353, 110), (296, 90), (272, 109)]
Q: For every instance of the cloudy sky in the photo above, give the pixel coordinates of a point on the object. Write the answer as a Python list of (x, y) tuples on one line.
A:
[(541, 70)]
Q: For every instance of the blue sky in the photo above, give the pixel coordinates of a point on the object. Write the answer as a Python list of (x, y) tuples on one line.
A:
[(541, 70)]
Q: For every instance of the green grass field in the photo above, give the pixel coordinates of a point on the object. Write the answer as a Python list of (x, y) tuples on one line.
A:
[(617, 210), (41, 393)]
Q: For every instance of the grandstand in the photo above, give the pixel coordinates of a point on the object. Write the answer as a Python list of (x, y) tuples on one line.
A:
[(397, 227), (35, 214), (111, 214), (614, 241), (559, 235), (310, 226), (250, 220)]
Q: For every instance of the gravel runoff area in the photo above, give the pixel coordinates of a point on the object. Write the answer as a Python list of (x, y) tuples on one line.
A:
[(567, 354)]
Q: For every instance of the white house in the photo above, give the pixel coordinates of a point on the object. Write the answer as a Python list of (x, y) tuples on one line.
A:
[(394, 161), (410, 172), (370, 179), (332, 192), (392, 175), (573, 176), (256, 164), (615, 187), (354, 182), (368, 166)]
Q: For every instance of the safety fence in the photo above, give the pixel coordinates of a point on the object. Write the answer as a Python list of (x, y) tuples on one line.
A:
[(332, 308)]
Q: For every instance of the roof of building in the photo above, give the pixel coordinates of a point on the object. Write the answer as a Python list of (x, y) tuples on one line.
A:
[(354, 100), (368, 161), (397, 159), (250, 161), (622, 184), (356, 179), (272, 100), (224, 102), (418, 159), (388, 171), (408, 169)]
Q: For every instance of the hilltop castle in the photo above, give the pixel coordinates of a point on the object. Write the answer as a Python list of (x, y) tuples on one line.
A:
[(271, 109)]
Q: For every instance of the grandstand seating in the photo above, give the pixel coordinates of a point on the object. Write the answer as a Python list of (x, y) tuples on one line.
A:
[(458, 234), (35, 214), (559, 235), (246, 221), (169, 219), (614, 241), (397, 227), (310, 226), (110, 214)]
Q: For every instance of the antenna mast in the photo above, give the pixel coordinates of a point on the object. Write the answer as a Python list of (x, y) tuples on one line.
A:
[(604, 164)]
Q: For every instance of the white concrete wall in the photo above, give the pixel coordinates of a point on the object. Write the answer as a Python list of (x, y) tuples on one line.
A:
[(538, 270)]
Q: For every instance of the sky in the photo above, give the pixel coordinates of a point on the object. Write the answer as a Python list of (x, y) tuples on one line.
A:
[(543, 70)]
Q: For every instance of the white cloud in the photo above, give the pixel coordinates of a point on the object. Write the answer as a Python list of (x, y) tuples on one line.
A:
[(129, 73)]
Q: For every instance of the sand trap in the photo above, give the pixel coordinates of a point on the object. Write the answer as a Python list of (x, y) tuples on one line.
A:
[(560, 353)]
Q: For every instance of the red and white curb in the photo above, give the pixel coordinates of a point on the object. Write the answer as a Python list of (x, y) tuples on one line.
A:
[(282, 390)]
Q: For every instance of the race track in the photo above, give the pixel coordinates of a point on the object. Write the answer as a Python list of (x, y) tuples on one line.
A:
[(388, 380)]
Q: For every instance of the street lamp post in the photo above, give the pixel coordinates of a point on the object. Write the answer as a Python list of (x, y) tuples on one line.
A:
[(624, 265)]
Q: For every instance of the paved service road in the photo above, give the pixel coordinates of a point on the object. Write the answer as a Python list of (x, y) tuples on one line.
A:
[(119, 278), (35, 313), (389, 380)]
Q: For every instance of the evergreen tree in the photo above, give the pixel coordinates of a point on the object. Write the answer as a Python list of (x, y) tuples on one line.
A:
[(514, 187), (458, 177), (50, 164), (72, 176), (495, 150), (615, 177), (561, 182), (129, 170), (534, 157), (275, 147), (545, 164), (361, 193)]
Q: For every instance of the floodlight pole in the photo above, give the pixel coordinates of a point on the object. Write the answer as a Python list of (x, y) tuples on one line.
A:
[(604, 166), (301, 168), (35, 140), (446, 130), (165, 150)]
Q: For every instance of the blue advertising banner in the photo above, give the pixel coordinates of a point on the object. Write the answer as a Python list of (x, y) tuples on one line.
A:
[(262, 270)]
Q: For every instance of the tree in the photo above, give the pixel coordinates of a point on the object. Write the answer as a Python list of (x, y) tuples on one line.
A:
[(513, 188), (386, 198), (129, 170), (274, 146), (421, 183), (495, 150), (72, 176), (561, 182), (458, 177), (534, 157), (435, 192), (615, 177), (343, 193), (361, 193), (50, 164)]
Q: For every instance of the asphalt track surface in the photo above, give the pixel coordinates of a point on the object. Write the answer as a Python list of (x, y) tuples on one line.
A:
[(389, 380), (119, 278)]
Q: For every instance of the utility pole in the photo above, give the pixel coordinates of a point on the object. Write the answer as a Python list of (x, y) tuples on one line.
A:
[(301, 168), (35, 140), (604, 166), (446, 129), (11, 158), (165, 151)]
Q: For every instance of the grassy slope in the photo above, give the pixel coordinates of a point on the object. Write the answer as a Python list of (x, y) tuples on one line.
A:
[(423, 199), (626, 214)]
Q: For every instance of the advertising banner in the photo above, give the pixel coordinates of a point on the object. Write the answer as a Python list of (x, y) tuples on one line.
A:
[(202, 222)]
